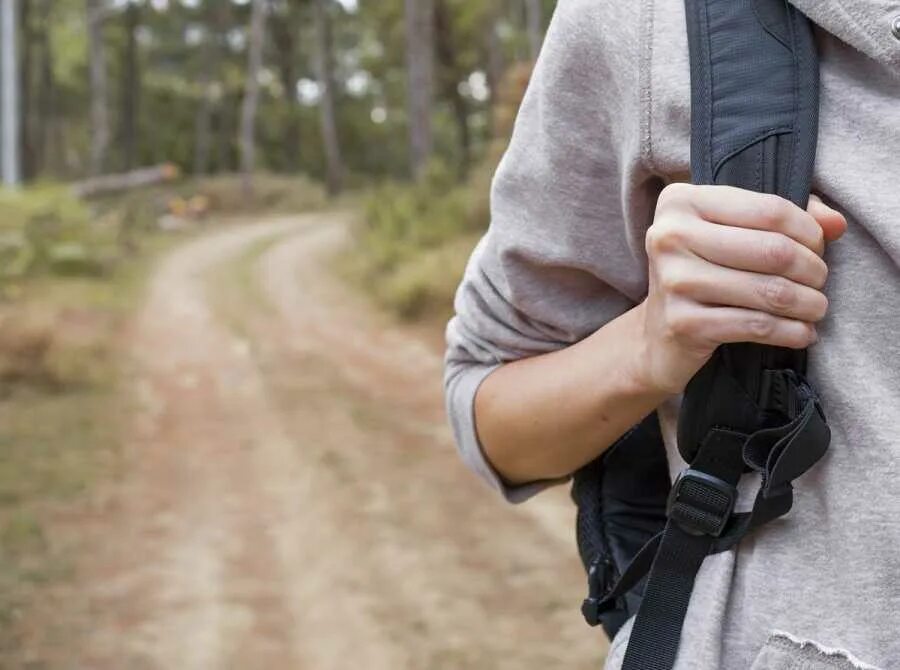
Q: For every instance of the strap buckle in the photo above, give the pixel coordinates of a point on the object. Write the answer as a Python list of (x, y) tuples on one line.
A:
[(701, 504), (602, 576)]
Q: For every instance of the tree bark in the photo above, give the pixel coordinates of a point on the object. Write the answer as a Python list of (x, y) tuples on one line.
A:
[(99, 113), (250, 104), (131, 87), (334, 163), (534, 18), (496, 61), (10, 156), (284, 37), (28, 128), (203, 120), (420, 85), (451, 74), (47, 146)]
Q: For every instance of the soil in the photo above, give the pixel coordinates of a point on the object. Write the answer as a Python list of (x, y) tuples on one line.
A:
[(290, 496)]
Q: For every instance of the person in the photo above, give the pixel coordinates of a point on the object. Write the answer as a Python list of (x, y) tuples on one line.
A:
[(605, 281)]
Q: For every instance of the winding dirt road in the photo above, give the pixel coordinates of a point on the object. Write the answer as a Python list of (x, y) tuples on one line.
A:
[(291, 497)]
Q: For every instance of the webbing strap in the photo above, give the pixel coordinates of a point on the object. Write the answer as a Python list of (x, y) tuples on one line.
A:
[(702, 522), (754, 111), (657, 629)]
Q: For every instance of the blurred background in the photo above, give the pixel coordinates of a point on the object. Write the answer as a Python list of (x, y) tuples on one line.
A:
[(230, 232)]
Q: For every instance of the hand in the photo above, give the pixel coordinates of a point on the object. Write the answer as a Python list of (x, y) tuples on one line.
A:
[(729, 265)]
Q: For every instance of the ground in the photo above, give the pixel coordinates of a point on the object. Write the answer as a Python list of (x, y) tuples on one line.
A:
[(289, 494)]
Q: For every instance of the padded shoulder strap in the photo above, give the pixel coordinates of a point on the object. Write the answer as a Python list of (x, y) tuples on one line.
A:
[(754, 76), (755, 96)]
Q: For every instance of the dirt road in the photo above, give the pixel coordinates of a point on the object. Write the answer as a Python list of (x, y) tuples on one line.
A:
[(291, 498)]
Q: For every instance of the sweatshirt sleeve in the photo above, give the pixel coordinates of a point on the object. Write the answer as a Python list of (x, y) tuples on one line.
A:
[(570, 205)]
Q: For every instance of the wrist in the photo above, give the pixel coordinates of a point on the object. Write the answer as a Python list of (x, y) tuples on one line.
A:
[(644, 366)]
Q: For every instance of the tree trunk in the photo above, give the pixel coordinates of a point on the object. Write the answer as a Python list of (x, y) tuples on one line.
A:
[(45, 112), (27, 129), (131, 87), (250, 104), (203, 120), (100, 135), (451, 74), (534, 17), (334, 164), (496, 61), (284, 37), (420, 85), (9, 95)]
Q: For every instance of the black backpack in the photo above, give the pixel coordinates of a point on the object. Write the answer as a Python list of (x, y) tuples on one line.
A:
[(754, 102)]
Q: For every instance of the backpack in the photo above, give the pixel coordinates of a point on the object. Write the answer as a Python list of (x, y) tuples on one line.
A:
[(642, 539)]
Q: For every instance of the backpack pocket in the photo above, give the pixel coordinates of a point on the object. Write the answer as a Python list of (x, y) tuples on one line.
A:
[(785, 652)]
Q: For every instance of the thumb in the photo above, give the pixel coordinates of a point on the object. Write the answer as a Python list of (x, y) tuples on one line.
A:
[(834, 224)]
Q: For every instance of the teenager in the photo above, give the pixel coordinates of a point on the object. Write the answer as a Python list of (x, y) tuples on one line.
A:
[(605, 282)]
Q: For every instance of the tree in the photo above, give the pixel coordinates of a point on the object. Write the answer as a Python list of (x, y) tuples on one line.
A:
[(451, 72), (9, 108), (419, 19), (534, 18), (284, 37), (250, 105), (131, 86), (334, 166), (210, 53), (99, 89)]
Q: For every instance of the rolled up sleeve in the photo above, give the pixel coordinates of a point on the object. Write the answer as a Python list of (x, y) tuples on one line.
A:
[(570, 205)]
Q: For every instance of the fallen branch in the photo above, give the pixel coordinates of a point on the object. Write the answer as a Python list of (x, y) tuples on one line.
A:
[(113, 183)]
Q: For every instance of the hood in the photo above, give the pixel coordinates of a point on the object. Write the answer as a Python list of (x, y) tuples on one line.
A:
[(867, 25)]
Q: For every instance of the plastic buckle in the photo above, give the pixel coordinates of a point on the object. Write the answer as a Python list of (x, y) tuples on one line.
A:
[(701, 504), (601, 578)]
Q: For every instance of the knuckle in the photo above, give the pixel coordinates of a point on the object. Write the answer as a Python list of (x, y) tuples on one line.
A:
[(662, 237), (674, 282), (778, 293), (681, 325), (677, 193), (779, 253), (760, 326), (773, 210)]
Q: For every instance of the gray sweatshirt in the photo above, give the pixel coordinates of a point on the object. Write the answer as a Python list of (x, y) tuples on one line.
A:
[(604, 126)]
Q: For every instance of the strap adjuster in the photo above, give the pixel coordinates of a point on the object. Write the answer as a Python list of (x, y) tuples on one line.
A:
[(602, 575), (701, 504)]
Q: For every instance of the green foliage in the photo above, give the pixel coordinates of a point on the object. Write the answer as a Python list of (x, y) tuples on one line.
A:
[(411, 245), (47, 230)]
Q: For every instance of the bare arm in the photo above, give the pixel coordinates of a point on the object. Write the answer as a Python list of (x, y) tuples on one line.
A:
[(726, 265)]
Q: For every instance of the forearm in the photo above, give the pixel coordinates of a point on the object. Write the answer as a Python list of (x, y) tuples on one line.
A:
[(544, 417)]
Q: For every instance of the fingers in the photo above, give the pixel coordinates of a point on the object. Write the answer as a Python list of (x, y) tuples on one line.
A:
[(712, 284), (734, 324), (833, 223), (759, 251), (730, 206)]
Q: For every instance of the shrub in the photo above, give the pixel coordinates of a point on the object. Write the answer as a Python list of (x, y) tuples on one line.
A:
[(47, 230)]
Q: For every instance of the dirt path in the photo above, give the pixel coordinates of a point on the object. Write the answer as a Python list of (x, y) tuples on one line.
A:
[(292, 498)]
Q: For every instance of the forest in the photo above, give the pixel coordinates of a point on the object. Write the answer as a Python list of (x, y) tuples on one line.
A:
[(342, 90), (405, 103), (230, 235)]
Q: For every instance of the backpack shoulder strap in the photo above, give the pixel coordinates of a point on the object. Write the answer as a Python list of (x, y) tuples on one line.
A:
[(754, 72)]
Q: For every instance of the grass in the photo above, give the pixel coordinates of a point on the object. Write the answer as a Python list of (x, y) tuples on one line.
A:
[(60, 418)]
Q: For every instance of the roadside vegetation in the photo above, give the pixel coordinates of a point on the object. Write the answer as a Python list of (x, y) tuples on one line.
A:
[(72, 271), (412, 240)]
